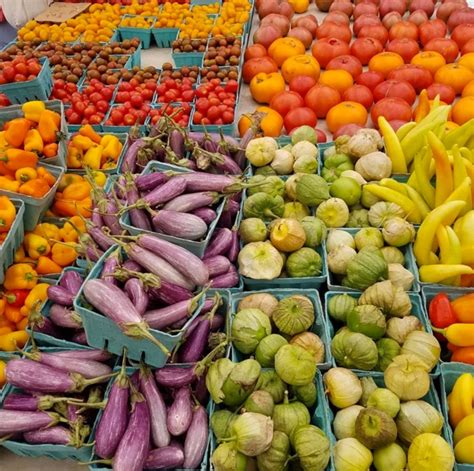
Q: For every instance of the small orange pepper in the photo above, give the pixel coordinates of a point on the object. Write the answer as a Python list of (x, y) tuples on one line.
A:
[(12, 313), (47, 230), (3, 303), (17, 158), (3, 373), (16, 131), (4, 322), (77, 191), (20, 276), (33, 142), (33, 109), (7, 213), (48, 126), (36, 188), (5, 330), (88, 131), (9, 184), (77, 223), (23, 324), (46, 266), (20, 254), (68, 179), (50, 150), (26, 173), (10, 342), (64, 253), (46, 175)]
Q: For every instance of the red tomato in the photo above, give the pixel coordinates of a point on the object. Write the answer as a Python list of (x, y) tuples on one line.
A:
[(328, 48), (391, 109), (321, 98), (374, 31), (407, 48), (430, 30), (445, 46), (255, 50), (346, 62), (446, 92), (333, 30), (403, 29), (395, 89), (256, 65), (9, 73), (360, 94), (370, 79), (301, 84), (365, 48), (365, 20), (417, 76), (299, 117), (285, 101)]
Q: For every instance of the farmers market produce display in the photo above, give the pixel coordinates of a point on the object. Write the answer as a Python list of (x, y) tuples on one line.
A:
[(257, 253)]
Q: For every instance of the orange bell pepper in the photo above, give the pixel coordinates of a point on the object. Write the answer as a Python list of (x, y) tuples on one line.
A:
[(16, 131), (3, 303), (10, 342), (20, 255), (33, 109), (5, 330), (48, 126), (77, 191), (463, 307), (36, 188), (64, 253), (47, 230), (33, 142), (26, 173), (17, 158), (82, 142), (68, 179), (46, 266), (50, 150), (23, 324), (20, 276), (9, 184), (88, 131), (12, 313), (47, 176), (77, 223), (7, 213), (4, 322)]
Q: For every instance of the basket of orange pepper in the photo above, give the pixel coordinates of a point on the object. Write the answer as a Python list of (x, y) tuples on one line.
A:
[(34, 131), (23, 295), (96, 151), (11, 230)]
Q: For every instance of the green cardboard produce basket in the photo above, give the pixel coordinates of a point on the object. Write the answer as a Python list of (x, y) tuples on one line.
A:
[(144, 34), (450, 372), (35, 208), (319, 326), (13, 240), (105, 334)]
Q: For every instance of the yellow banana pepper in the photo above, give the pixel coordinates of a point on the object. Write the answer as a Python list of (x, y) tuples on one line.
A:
[(387, 194), (36, 246), (459, 135), (439, 273), (402, 131), (449, 250), (422, 167), (444, 173), (463, 390), (393, 148), (420, 203), (394, 185), (20, 276), (445, 214), (32, 110), (467, 154), (466, 233), (93, 157), (462, 193)]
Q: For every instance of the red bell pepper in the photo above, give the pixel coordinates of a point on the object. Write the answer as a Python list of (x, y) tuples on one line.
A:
[(16, 297), (441, 313)]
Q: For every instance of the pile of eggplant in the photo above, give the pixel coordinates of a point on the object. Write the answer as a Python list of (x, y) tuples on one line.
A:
[(200, 151), (55, 396), (153, 421), (62, 322)]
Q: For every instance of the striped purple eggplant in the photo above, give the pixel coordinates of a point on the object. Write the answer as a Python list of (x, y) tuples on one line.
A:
[(132, 266), (164, 317), (72, 281), (132, 451), (167, 192), (26, 402), (111, 263), (114, 419), (239, 157), (89, 369), (185, 262), (158, 266), (234, 248), (191, 201), (109, 210), (57, 435), (100, 238), (138, 217), (220, 243), (137, 294), (198, 182), (46, 326), (80, 337), (65, 317), (116, 305), (96, 218), (168, 457), (85, 354), (129, 163), (217, 265), (180, 413), (169, 293), (228, 165), (227, 280), (150, 181), (176, 142), (156, 407), (15, 421), (174, 376), (182, 225), (208, 215), (93, 253), (60, 295), (196, 439)]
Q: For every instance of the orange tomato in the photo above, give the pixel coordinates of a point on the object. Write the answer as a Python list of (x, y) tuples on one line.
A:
[(463, 110), (468, 90), (455, 75), (303, 64), (300, 6), (346, 112), (263, 87), (271, 124), (430, 60), (467, 60), (282, 48), (339, 79), (385, 62)]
